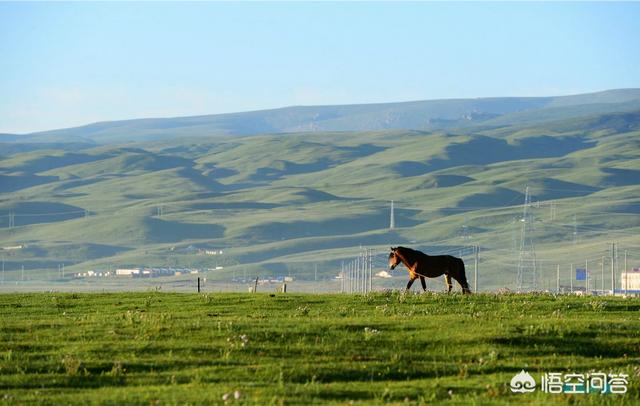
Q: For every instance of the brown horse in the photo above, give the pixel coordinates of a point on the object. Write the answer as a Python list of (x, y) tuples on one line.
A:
[(421, 265)]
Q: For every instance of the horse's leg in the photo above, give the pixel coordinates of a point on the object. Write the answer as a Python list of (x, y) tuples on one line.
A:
[(463, 284), (424, 283), (461, 278), (447, 281), (413, 278)]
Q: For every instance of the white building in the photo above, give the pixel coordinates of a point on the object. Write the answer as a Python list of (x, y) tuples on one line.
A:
[(128, 272), (630, 280)]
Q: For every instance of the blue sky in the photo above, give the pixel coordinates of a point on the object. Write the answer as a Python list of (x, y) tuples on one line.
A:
[(67, 64)]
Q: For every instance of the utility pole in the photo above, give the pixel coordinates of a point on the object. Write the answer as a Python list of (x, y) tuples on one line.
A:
[(613, 272), (360, 267), (346, 278), (571, 279), (558, 278), (366, 270), (475, 268), (365, 279), (351, 277), (626, 273), (363, 266), (392, 219), (586, 271), (360, 270), (370, 269), (617, 268), (602, 276), (365, 254), (356, 267)]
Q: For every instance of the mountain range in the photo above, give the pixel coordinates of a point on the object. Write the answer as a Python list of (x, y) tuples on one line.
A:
[(426, 115)]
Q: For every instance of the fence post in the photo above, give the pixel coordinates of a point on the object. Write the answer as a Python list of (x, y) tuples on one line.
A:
[(475, 270)]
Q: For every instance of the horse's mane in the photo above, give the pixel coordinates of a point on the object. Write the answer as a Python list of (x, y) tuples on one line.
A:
[(411, 252)]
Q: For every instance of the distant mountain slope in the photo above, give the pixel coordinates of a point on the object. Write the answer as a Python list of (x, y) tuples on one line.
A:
[(284, 205), (418, 115)]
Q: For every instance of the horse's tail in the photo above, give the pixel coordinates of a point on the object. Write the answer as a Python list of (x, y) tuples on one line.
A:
[(463, 277)]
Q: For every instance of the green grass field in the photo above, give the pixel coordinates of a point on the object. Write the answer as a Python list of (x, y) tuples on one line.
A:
[(169, 348)]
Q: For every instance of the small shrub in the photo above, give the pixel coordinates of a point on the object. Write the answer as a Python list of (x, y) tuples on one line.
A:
[(303, 310), (71, 364), (597, 305), (370, 333), (117, 370)]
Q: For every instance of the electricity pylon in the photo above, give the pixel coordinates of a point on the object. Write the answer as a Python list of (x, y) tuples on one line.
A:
[(527, 278)]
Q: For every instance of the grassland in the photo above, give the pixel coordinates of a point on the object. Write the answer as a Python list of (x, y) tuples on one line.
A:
[(161, 348)]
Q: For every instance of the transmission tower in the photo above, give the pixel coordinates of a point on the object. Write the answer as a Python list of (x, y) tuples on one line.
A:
[(392, 219), (465, 230), (527, 265)]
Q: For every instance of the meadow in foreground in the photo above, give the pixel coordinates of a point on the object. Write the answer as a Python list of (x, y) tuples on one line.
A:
[(167, 348)]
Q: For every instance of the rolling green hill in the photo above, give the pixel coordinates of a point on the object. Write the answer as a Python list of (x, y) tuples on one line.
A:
[(306, 201)]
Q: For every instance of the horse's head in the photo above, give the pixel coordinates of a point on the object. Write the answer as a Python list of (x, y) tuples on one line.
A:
[(394, 259)]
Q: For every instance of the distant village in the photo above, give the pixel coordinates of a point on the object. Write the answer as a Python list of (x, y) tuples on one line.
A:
[(156, 272), (159, 272), (143, 272)]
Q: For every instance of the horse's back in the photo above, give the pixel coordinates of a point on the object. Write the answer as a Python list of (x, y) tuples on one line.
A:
[(446, 259)]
